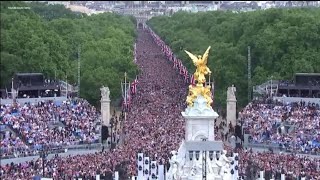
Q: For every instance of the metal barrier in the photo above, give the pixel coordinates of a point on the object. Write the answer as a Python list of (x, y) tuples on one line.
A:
[(52, 150), (33, 100), (277, 147)]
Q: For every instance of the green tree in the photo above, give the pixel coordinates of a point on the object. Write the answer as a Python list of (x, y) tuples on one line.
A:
[(283, 42)]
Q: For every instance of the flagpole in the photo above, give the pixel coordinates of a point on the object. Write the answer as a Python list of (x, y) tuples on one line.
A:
[(67, 86), (125, 95), (12, 92)]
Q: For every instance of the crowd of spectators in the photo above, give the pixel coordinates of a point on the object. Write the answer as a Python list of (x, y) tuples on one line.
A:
[(155, 131), (294, 166), (154, 126), (292, 126), (34, 123)]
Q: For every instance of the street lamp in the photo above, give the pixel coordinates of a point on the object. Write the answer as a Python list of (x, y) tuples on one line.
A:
[(111, 126), (204, 162)]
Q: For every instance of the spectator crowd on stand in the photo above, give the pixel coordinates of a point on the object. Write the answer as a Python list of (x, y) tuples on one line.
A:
[(154, 126), (267, 123), (32, 122)]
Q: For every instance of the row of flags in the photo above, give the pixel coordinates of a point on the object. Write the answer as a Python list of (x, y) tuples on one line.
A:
[(129, 89), (135, 53), (177, 63)]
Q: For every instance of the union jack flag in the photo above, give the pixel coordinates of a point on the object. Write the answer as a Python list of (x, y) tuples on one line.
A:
[(134, 86), (192, 80)]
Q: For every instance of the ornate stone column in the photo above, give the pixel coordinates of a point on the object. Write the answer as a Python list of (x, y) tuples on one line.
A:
[(231, 106), (105, 106)]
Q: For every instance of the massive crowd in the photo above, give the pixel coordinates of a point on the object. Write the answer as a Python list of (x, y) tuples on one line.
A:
[(155, 127), (292, 127), (155, 130), (294, 166), (35, 125)]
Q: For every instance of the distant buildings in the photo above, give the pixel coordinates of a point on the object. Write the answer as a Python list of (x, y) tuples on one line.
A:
[(65, 3), (169, 7)]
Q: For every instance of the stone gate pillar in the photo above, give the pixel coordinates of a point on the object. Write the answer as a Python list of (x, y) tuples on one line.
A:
[(231, 106), (105, 105)]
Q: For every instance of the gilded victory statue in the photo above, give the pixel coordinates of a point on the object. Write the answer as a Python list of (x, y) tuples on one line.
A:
[(202, 69)]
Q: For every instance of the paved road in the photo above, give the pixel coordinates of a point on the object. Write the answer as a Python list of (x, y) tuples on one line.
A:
[(29, 158)]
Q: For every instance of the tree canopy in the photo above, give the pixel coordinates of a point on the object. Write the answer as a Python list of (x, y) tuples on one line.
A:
[(282, 41), (46, 39)]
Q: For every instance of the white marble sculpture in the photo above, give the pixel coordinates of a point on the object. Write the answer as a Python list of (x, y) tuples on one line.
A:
[(209, 166), (174, 166), (214, 165), (105, 93), (231, 106), (225, 172), (197, 167), (223, 164), (105, 105), (231, 92)]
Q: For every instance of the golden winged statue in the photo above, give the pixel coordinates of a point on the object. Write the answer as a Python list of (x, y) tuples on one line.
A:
[(201, 63), (202, 69)]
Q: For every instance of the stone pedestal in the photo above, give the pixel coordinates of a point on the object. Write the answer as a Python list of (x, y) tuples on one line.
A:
[(231, 106), (199, 121), (105, 111), (105, 106), (199, 141)]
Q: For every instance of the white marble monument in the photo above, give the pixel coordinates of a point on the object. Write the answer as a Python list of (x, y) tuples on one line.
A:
[(199, 121), (105, 105), (197, 157), (231, 106)]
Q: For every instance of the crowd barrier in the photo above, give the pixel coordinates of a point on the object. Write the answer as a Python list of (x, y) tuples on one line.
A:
[(34, 100), (262, 176), (277, 147), (57, 150), (116, 177), (297, 99)]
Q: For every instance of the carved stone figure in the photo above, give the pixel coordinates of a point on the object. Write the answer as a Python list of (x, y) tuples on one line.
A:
[(225, 172), (174, 171), (197, 166), (231, 92), (174, 166), (105, 92), (223, 162), (210, 165)]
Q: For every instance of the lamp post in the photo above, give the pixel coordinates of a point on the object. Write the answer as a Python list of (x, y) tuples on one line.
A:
[(204, 162), (111, 126)]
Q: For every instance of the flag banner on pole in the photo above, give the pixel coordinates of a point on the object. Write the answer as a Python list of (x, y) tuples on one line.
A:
[(122, 90), (161, 172), (134, 86), (128, 98), (177, 63), (140, 165), (192, 80), (146, 166), (153, 170)]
